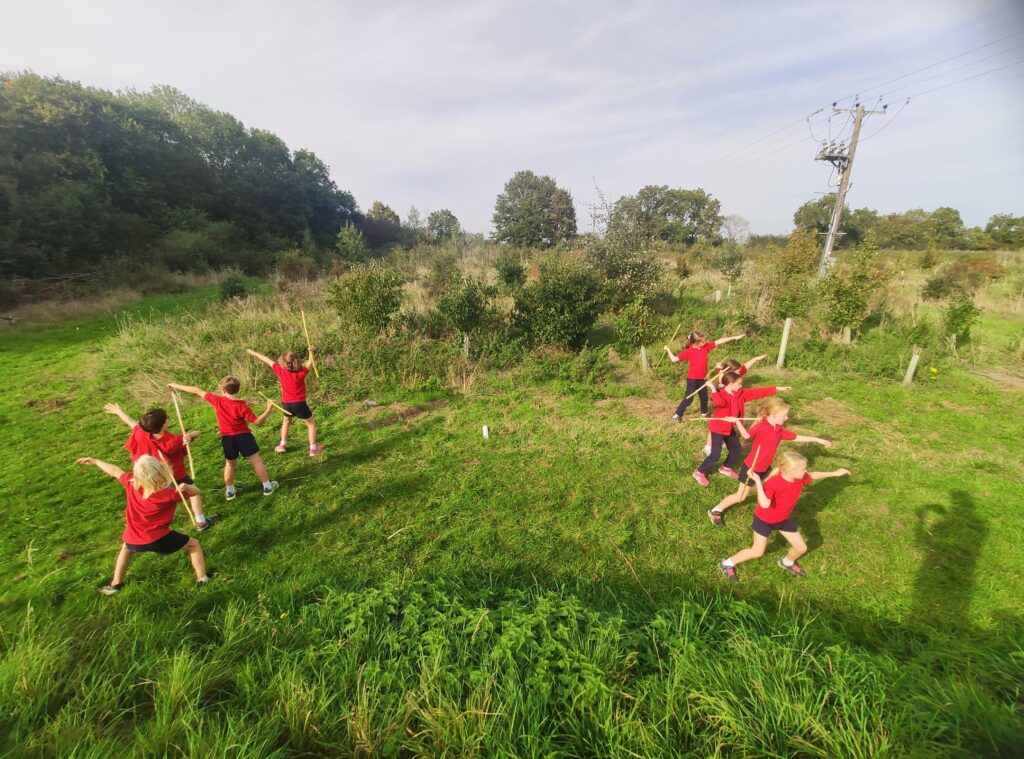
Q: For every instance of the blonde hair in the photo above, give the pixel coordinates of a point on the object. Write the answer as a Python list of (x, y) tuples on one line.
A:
[(289, 361), (230, 384), (150, 474), (788, 461), (773, 406)]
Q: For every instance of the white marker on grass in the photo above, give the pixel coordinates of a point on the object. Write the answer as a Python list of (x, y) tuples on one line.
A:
[(487, 433)]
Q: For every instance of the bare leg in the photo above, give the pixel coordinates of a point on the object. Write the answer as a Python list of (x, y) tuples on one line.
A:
[(756, 551), (311, 428), (195, 555), (257, 464), (731, 500), (124, 556), (229, 471), (797, 545), (286, 423)]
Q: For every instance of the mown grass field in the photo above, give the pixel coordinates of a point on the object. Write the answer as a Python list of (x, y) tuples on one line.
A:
[(551, 591)]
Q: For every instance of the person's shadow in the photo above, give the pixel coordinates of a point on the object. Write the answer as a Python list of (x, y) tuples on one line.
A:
[(951, 539)]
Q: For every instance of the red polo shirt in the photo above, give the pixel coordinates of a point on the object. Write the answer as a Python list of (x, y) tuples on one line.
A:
[(732, 404), (698, 358), (783, 494), (764, 440), (232, 414), (147, 519), (172, 448), (293, 384)]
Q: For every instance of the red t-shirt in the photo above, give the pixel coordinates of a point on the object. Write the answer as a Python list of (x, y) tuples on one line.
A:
[(698, 358), (293, 384), (147, 519), (232, 414), (172, 448), (742, 371), (783, 495), (732, 404), (764, 440)]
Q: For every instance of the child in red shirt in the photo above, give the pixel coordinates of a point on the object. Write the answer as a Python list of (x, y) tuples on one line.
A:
[(765, 437), (696, 354), (730, 402), (150, 436), (776, 497), (292, 374), (233, 416), (149, 509), (730, 365)]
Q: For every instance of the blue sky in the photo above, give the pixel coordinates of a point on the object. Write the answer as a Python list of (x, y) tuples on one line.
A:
[(437, 104)]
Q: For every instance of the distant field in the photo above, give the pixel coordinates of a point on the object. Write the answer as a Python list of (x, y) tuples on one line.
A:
[(551, 591)]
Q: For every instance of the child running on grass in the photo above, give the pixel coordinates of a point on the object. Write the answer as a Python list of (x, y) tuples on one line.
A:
[(731, 365), (151, 501), (235, 437), (292, 374), (765, 437), (776, 498), (730, 401), (150, 437), (696, 353)]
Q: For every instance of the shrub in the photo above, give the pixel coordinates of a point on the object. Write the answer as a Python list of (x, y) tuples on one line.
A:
[(351, 245), (561, 306), (927, 260), (793, 297), (464, 306), (636, 325), (959, 316), (443, 274), (294, 265), (234, 285), (511, 272), (368, 295)]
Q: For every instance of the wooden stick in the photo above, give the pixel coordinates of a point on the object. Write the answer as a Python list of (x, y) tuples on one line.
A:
[(181, 494), (719, 419), (281, 409), (188, 448), (309, 345), (707, 383), (662, 356), (746, 484)]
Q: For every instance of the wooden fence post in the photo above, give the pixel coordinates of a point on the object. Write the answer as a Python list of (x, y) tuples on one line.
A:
[(645, 363), (914, 358), (785, 342)]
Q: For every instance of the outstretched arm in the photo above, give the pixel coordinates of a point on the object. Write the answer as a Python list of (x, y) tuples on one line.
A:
[(107, 469), (755, 359), (826, 475), (187, 389), (810, 439), (738, 424), (266, 412), (116, 410), (265, 359), (724, 340)]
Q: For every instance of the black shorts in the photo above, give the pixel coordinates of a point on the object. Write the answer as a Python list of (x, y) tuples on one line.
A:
[(299, 409), (169, 543), (239, 445), (743, 476), (186, 480), (764, 529)]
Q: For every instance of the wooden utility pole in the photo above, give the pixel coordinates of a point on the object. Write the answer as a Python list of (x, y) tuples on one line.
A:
[(841, 156)]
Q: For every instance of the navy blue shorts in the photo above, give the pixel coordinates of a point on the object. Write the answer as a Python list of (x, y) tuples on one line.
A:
[(764, 529), (239, 445), (299, 409), (186, 480), (753, 485), (169, 543)]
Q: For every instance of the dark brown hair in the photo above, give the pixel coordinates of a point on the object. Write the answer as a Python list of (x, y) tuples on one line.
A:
[(230, 385), (153, 420), (694, 338), (729, 377)]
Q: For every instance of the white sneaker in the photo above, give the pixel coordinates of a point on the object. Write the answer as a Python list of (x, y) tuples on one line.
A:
[(706, 450), (273, 486)]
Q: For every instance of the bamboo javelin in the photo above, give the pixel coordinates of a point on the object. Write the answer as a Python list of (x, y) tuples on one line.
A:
[(309, 345), (184, 500), (281, 409), (719, 418), (188, 448), (707, 383), (662, 356), (746, 484)]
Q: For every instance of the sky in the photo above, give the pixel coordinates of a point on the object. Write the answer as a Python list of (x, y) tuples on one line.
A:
[(437, 104)]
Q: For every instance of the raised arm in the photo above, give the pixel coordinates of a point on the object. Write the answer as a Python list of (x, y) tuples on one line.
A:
[(116, 410), (672, 356), (265, 359), (186, 389), (308, 363), (826, 475), (108, 469), (755, 359), (266, 412)]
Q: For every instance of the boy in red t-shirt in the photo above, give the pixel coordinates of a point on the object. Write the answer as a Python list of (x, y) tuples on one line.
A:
[(151, 501), (776, 498), (233, 418), (696, 354), (150, 436), (765, 437), (292, 374)]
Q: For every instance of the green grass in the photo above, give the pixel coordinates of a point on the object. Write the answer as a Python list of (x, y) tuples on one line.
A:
[(552, 591)]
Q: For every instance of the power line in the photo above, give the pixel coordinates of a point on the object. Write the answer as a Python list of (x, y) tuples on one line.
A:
[(889, 121), (965, 79), (958, 68)]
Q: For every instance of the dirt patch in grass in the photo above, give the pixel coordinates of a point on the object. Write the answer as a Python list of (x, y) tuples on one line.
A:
[(652, 408), (835, 413), (1004, 378), (47, 404), (394, 413)]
